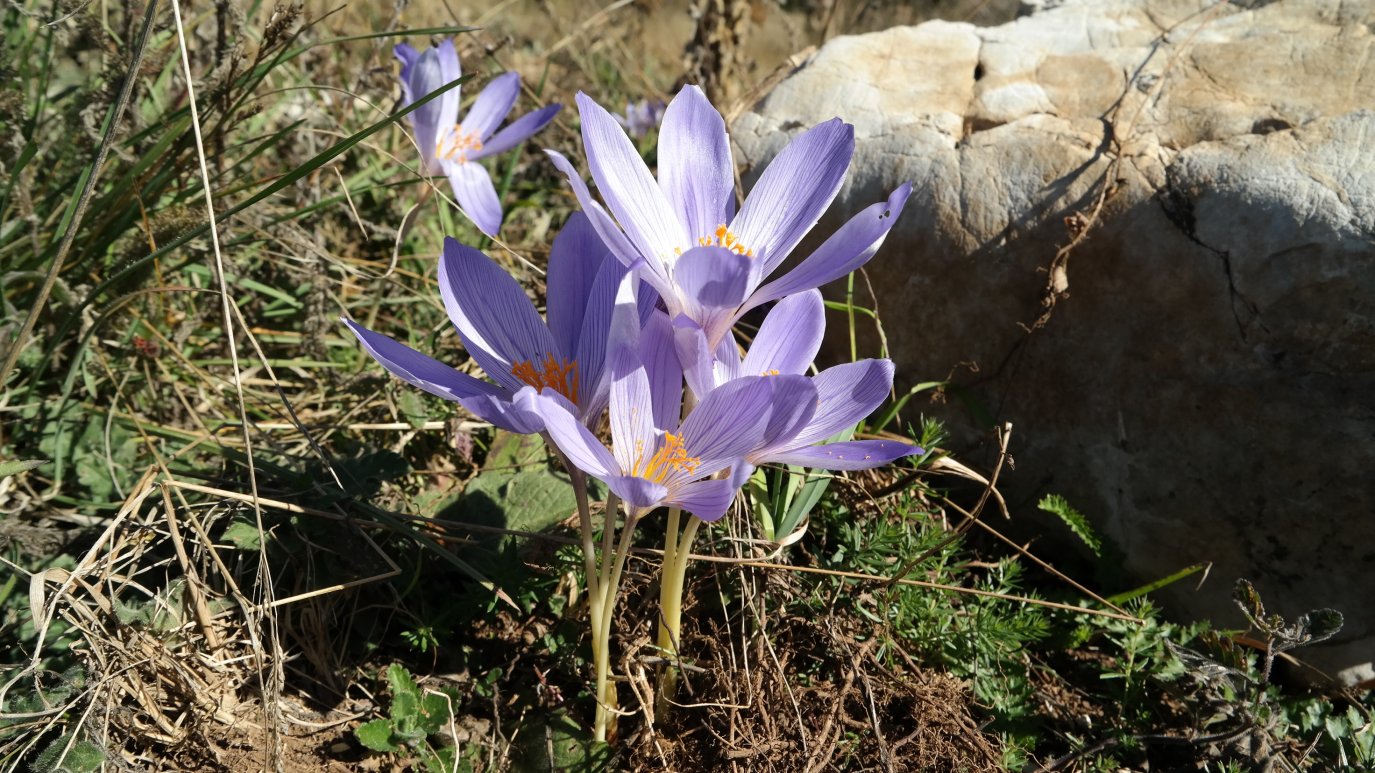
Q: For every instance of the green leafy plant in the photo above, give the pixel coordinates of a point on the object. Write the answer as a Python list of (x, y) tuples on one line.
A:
[(414, 718)]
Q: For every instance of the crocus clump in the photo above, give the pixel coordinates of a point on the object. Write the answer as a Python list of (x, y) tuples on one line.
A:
[(452, 147), (644, 291)]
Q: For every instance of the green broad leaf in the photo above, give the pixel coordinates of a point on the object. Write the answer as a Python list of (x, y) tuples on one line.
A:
[(243, 533), (435, 711), (17, 466), (65, 756), (402, 683), (412, 408), (376, 735), (1076, 521), (405, 706)]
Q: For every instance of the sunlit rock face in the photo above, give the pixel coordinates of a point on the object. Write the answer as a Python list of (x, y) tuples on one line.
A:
[(1204, 386)]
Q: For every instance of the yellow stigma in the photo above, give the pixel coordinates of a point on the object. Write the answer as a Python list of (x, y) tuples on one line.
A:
[(558, 375), (723, 237), (457, 144), (769, 372), (671, 457)]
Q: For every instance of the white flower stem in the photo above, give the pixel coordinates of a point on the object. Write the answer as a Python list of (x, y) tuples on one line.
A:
[(603, 606)]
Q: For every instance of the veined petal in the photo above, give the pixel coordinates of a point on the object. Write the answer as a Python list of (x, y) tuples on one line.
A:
[(575, 441), (420, 370), (407, 56), (654, 272), (712, 282), (475, 194), (665, 372), (517, 131), (706, 499), (574, 260), (696, 172), (595, 339), (492, 105), (637, 492), (728, 365), (631, 410), (630, 192), (845, 395), (846, 250), (790, 336), (518, 414), (728, 423), (794, 191), (498, 324), (850, 455), (794, 404), (694, 355), (434, 68)]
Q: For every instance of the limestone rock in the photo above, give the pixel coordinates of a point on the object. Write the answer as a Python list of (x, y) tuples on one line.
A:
[(1204, 385)]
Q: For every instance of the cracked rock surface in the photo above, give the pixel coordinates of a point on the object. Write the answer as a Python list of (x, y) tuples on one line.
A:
[(1204, 384)]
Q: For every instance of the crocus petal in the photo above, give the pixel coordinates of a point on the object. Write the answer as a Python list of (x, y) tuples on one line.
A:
[(420, 370), (475, 194), (846, 250), (712, 282), (639, 493), (794, 191), (696, 172), (407, 56), (706, 499), (660, 358), (790, 336), (631, 410), (595, 336), (794, 404), (850, 455), (694, 355), (606, 228), (518, 414), (630, 192), (728, 423), (498, 324), (517, 131), (492, 105), (845, 395), (577, 443), (434, 68), (574, 260), (728, 366)]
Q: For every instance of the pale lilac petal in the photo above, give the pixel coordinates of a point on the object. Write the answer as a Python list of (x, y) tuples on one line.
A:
[(407, 56), (639, 493), (577, 443), (498, 324), (654, 271), (846, 394), (846, 250), (728, 366), (574, 260), (794, 191), (850, 455), (728, 423), (420, 370), (594, 339), (518, 414), (630, 192), (475, 194), (694, 355), (790, 336), (517, 131), (631, 411), (432, 69), (696, 172), (712, 282), (706, 499), (492, 105), (660, 358), (794, 404)]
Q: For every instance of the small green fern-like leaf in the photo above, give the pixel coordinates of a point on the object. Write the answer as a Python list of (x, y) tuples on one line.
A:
[(1058, 506)]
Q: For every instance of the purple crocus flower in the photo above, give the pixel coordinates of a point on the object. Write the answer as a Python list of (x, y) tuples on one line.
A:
[(786, 344), (451, 147), (687, 215), (504, 334), (653, 460), (640, 117)]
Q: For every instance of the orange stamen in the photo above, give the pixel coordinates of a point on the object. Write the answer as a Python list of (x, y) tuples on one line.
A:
[(724, 238), (558, 375), (457, 144), (671, 457)]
